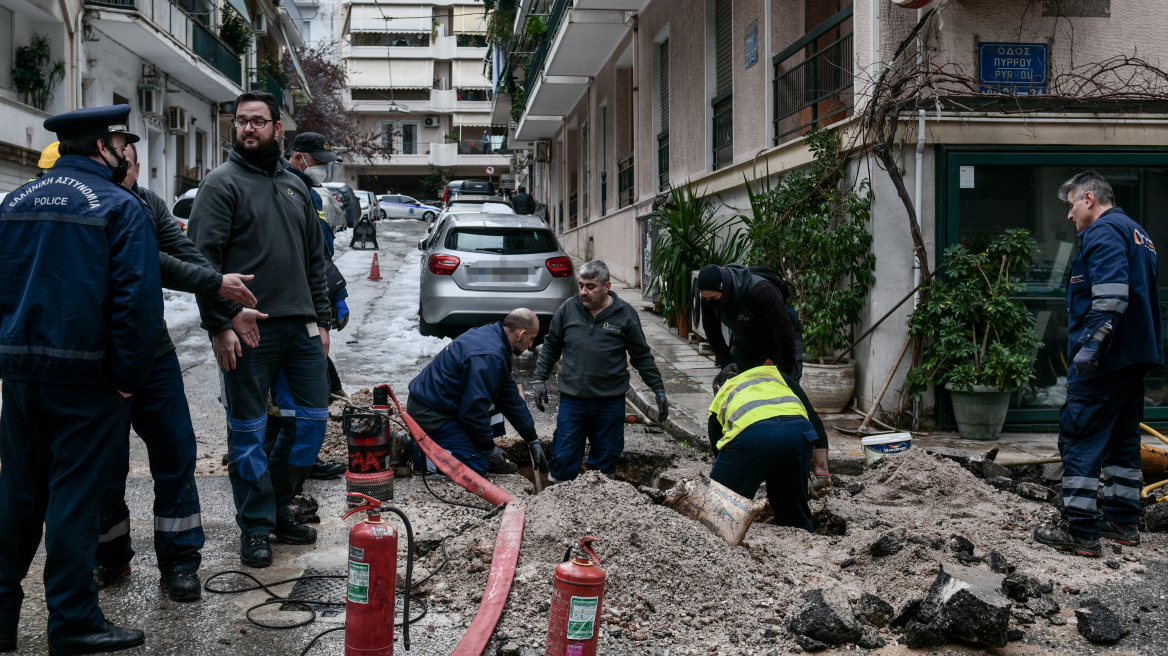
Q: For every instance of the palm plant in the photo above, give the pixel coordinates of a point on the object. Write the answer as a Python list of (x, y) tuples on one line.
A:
[(34, 76), (689, 240)]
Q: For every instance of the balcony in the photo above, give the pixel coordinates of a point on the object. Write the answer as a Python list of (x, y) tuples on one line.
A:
[(164, 34), (818, 89), (262, 81)]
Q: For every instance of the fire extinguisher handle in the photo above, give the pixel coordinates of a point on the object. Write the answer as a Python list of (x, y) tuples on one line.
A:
[(370, 504), (586, 546)]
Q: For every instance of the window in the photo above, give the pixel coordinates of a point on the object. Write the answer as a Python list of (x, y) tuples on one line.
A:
[(386, 130), (409, 138), (723, 103), (602, 158), (503, 241), (584, 171), (387, 95), (471, 40), (474, 94), (7, 48), (383, 40), (1019, 190), (663, 102)]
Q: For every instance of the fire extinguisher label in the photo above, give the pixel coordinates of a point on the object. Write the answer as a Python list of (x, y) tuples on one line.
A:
[(358, 582), (581, 617)]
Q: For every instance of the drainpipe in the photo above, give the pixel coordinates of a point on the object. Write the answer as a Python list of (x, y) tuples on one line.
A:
[(874, 28), (918, 194)]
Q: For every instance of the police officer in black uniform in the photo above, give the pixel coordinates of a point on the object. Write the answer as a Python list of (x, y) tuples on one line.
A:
[(80, 316)]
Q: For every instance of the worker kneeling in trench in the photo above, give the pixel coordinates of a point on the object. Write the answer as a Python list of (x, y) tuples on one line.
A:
[(761, 429)]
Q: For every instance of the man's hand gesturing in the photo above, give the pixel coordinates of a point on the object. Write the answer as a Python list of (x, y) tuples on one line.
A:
[(245, 326), (233, 289)]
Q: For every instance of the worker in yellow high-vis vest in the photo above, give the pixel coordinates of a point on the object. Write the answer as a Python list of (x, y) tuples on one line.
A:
[(761, 432)]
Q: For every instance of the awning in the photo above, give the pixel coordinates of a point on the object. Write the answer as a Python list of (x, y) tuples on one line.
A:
[(482, 119), (383, 73), (394, 19), (468, 74), (468, 19), (241, 7)]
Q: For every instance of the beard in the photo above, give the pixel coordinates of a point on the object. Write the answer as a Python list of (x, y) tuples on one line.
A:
[(261, 145)]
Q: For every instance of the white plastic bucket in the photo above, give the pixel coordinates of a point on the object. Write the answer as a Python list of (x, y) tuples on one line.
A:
[(878, 446)]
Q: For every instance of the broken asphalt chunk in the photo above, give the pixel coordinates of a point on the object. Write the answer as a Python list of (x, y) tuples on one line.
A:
[(825, 616), (968, 604), (1098, 623)]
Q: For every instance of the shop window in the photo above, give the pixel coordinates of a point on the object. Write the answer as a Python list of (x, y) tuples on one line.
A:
[(985, 194)]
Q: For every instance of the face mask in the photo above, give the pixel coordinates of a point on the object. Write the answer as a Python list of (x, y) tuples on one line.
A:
[(317, 173), (121, 168)]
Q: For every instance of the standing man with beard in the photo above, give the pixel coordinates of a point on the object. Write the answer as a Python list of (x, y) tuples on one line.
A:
[(251, 214), (598, 334)]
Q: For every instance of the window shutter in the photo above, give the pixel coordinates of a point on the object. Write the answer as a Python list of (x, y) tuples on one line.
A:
[(6, 48), (724, 43), (665, 85)]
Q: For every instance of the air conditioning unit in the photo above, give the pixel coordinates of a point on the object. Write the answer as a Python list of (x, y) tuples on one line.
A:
[(541, 151), (430, 121), (150, 100), (260, 25), (176, 120)]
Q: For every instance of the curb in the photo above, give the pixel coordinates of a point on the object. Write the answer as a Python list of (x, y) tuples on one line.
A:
[(678, 427)]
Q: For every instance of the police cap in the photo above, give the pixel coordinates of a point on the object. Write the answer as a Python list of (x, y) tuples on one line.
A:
[(92, 121), (316, 145)]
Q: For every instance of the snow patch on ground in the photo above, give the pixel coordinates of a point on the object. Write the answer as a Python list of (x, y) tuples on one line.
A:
[(179, 309)]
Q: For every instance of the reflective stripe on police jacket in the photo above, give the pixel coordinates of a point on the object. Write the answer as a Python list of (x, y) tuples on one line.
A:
[(752, 396)]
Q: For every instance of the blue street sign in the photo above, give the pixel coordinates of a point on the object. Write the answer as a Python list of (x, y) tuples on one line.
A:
[(1018, 68), (751, 44)]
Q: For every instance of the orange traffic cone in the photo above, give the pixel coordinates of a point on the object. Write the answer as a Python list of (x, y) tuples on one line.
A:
[(375, 270)]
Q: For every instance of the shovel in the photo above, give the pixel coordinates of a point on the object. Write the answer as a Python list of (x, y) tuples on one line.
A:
[(537, 476)]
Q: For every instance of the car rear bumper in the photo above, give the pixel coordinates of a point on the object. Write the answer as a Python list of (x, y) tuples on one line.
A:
[(444, 302)]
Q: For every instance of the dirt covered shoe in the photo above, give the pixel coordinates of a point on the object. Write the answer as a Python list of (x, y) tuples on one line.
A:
[(182, 586), (1128, 534), (303, 510), (255, 550), (294, 533), (105, 575), (1060, 537)]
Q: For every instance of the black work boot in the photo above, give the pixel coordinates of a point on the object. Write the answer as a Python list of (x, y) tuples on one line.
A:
[(1128, 534), (322, 471), (182, 586), (105, 574), (294, 533), (1060, 537), (255, 551), (8, 634), (106, 639)]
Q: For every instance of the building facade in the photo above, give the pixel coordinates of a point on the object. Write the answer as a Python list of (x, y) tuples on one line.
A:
[(622, 98), (418, 77)]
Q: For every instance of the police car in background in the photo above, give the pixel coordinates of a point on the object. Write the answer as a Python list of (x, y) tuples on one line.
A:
[(397, 206)]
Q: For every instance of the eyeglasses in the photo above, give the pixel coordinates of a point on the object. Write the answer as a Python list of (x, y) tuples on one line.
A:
[(257, 123)]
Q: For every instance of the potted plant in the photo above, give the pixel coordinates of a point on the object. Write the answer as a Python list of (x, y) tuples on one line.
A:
[(235, 31), (34, 75), (979, 341), (689, 240), (812, 229)]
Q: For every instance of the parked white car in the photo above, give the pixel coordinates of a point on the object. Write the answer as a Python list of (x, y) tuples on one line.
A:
[(397, 206)]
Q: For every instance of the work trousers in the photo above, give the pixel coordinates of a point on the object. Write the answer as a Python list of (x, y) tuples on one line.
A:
[(600, 421), (1099, 433), (453, 437), (258, 481), (160, 416), (778, 451), (57, 449)]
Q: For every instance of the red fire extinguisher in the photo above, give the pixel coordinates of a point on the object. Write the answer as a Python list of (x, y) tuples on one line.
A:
[(577, 599), (372, 578)]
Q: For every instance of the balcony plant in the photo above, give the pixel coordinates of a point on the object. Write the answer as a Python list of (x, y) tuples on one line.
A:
[(812, 228), (690, 239), (979, 342), (272, 68), (34, 75), (235, 31)]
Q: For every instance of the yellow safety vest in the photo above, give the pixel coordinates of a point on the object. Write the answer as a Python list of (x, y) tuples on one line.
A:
[(753, 395)]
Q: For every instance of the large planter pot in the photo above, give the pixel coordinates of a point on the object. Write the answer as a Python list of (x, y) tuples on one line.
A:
[(829, 387), (980, 412)]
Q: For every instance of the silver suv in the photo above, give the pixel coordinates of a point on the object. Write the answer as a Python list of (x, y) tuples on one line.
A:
[(478, 267)]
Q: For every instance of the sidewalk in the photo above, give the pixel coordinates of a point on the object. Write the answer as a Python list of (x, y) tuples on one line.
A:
[(689, 375)]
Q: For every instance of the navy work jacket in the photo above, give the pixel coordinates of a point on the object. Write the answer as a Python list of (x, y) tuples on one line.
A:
[(1113, 279), (80, 296), (470, 376)]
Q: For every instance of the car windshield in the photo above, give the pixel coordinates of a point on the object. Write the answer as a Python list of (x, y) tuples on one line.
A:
[(363, 199), (504, 241), (182, 208)]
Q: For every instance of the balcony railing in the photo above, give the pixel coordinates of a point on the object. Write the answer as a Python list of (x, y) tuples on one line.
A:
[(663, 161), (262, 81), (814, 91), (723, 129), (624, 182), (572, 208), (559, 8), (173, 18)]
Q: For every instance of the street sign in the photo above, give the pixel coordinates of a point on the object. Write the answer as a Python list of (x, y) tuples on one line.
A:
[(751, 44), (1017, 68), (490, 170)]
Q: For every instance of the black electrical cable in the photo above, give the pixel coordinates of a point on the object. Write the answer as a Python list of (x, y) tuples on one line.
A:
[(425, 480)]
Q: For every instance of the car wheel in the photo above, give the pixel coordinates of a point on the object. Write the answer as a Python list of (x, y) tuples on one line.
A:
[(427, 329), (429, 216), (384, 215)]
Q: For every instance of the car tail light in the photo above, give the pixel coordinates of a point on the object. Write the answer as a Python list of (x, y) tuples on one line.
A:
[(442, 265), (560, 267)]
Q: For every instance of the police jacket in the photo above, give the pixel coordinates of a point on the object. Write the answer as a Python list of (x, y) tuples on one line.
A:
[(80, 298), (470, 376), (597, 350), (183, 268), (1113, 281), (754, 310)]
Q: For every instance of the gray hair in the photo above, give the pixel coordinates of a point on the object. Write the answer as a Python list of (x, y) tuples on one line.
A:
[(595, 270), (1091, 181), (521, 319)]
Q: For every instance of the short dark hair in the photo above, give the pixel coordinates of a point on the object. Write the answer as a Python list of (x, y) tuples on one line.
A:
[(83, 146), (522, 189), (135, 151), (259, 96)]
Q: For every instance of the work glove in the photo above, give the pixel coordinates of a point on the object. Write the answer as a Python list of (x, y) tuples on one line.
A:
[(538, 459), (818, 486), (1087, 359), (662, 407), (497, 463), (728, 372), (342, 316), (541, 395)]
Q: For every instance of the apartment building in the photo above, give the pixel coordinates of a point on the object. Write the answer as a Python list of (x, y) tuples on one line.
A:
[(622, 98), (419, 78), (164, 58)]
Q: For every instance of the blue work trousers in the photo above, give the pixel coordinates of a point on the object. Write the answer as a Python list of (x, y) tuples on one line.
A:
[(778, 451), (453, 437), (57, 449), (160, 416), (600, 421), (1099, 434), (259, 481)]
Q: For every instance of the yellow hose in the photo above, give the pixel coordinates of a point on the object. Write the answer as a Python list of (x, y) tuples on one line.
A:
[(1144, 492)]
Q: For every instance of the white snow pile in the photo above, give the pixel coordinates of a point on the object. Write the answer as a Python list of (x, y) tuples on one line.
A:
[(179, 309)]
